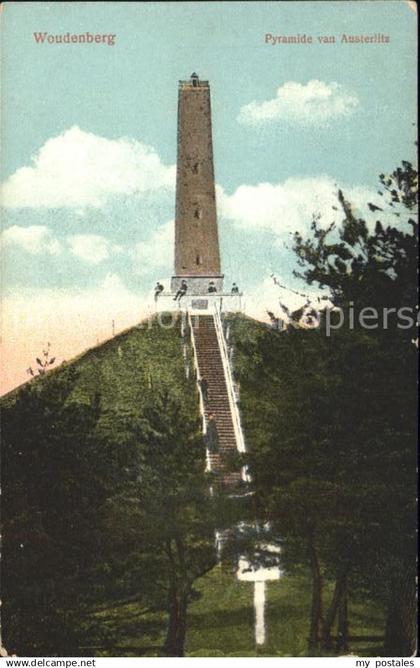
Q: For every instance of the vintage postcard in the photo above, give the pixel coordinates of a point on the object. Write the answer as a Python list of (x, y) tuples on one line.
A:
[(209, 324)]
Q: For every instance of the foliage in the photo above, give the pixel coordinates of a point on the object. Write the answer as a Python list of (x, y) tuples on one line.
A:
[(56, 480), (165, 516), (369, 265), (331, 421), (98, 490), (43, 362)]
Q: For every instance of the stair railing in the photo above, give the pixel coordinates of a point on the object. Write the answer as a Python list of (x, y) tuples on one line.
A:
[(234, 409), (200, 393)]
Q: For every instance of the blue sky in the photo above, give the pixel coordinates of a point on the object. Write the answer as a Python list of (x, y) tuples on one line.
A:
[(89, 141)]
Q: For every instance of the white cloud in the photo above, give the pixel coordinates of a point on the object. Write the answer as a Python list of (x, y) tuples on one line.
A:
[(79, 169), (156, 252), (314, 103), (35, 239), (91, 247), (280, 207), (287, 207)]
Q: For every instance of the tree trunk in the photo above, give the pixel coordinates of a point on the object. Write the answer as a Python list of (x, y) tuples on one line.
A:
[(178, 600), (339, 590), (316, 621), (183, 596), (182, 625), (343, 623), (177, 625), (400, 627), (170, 647)]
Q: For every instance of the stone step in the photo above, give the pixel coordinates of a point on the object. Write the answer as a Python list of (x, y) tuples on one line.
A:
[(211, 367)]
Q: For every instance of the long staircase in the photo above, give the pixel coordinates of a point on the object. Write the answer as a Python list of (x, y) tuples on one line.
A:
[(209, 352), (212, 362)]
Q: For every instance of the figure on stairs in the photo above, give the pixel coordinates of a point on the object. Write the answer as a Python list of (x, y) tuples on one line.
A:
[(204, 386), (212, 436)]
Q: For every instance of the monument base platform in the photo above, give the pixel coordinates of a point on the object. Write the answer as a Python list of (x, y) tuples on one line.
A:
[(197, 285), (200, 303)]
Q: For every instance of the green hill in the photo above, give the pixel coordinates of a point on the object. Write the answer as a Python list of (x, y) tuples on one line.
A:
[(103, 559), (122, 368)]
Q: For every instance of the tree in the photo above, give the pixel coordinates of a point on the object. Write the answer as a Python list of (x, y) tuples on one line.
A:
[(170, 519), (369, 267), (379, 269), (124, 481), (338, 445), (56, 480), (288, 460)]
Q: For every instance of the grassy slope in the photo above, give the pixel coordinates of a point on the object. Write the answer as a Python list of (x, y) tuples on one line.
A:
[(221, 622), (221, 619), (123, 367), (126, 365)]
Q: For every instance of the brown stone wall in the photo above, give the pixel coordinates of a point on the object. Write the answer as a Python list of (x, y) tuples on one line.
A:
[(196, 237)]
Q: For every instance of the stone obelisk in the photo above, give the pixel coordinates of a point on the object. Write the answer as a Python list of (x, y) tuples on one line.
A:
[(197, 257)]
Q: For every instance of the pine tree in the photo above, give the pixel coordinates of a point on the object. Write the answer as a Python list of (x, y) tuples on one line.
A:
[(56, 480), (334, 464)]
